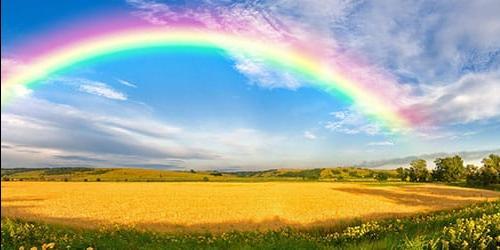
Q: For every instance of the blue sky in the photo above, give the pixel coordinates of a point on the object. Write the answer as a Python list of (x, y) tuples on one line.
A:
[(185, 109)]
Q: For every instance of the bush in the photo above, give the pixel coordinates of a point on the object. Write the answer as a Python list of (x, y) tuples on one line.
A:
[(205, 178), (98, 179), (381, 176), (216, 173)]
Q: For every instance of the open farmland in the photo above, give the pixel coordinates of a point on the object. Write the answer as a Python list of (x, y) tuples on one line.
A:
[(215, 207)]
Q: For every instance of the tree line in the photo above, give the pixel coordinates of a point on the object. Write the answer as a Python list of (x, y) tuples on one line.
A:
[(452, 169)]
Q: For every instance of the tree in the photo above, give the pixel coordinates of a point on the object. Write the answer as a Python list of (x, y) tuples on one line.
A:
[(492, 161), (472, 175), (448, 169), (403, 173), (488, 174), (418, 171)]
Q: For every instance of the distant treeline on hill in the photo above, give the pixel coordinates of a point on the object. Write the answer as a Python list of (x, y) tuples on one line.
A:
[(448, 170), (131, 174)]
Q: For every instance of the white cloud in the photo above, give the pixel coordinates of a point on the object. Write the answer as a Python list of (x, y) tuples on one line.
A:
[(104, 137), (381, 143), (263, 76), (352, 121), (21, 91), (126, 83), (473, 97), (102, 89), (423, 41), (309, 135)]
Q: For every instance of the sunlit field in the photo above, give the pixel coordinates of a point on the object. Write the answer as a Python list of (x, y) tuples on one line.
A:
[(218, 207)]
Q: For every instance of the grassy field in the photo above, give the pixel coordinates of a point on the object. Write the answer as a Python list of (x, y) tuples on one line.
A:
[(220, 207)]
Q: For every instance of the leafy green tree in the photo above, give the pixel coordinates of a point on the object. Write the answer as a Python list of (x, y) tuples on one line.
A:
[(472, 175), (403, 173), (492, 161), (418, 171), (448, 169), (489, 175), (490, 172)]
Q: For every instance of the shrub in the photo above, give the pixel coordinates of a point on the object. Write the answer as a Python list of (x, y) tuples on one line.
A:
[(382, 176), (205, 178), (98, 179), (355, 174), (85, 180)]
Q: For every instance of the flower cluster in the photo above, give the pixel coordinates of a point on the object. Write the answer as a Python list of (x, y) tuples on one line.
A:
[(481, 233)]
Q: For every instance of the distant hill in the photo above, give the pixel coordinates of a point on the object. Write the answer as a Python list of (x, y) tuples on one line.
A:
[(137, 174)]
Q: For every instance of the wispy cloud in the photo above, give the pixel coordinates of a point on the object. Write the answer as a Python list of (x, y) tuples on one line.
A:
[(102, 89), (351, 121), (472, 97), (90, 86), (126, 83), (108, 138), (309, 135), (381, 143)]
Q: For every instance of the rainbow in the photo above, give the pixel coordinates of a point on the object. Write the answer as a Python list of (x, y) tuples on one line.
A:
[(310, 64)]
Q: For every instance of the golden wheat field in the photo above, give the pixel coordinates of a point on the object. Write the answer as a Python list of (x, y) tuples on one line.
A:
[(198, 206)]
